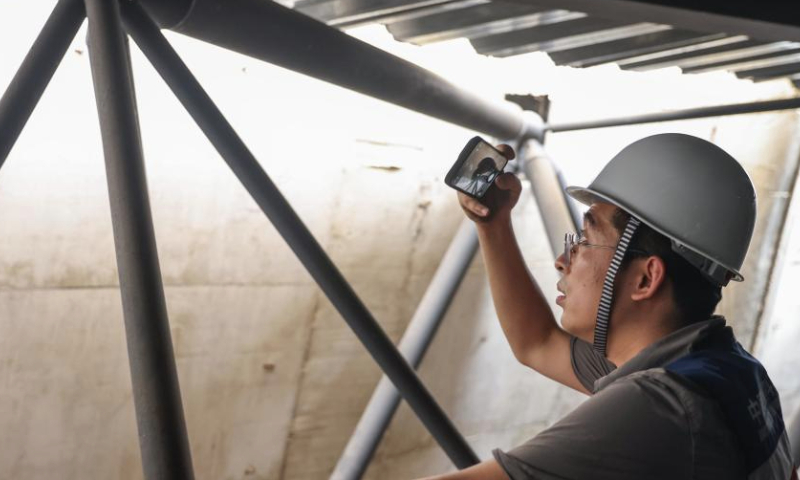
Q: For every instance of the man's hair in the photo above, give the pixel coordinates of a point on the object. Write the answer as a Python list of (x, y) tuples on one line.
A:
[(694, 295)]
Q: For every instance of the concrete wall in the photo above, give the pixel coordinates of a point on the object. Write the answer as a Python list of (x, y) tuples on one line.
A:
[(273, 381), (777, 339)]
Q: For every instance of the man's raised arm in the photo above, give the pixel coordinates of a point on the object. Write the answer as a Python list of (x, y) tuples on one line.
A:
[(525, 316)]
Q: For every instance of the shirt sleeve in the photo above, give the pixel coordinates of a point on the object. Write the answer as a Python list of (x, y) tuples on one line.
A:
[(588, 364), (632, 429)]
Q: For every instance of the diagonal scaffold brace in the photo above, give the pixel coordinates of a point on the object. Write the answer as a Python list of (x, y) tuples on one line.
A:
[(36, 71)]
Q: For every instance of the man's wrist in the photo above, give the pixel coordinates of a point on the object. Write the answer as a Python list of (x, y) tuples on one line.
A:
[(497, 227)]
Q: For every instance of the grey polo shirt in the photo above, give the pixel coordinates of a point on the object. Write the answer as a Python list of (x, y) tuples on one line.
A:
[(641, 422)]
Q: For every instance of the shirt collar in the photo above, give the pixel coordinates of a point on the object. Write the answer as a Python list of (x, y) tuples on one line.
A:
[(665, 351)]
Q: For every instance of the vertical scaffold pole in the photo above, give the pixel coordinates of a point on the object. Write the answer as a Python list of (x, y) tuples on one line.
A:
[(163, 440)]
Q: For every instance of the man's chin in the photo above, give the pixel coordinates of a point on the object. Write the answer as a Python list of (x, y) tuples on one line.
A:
[(580, 331)]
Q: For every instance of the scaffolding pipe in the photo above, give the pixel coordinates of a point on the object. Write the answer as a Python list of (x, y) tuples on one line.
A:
[(415, 342), (255, 180), (36, 70), (558, 215), (574, 211), (701, 112), (271, 32), (163, 440)]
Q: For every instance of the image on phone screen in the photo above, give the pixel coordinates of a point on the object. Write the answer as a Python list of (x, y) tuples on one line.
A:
[(478, 170)]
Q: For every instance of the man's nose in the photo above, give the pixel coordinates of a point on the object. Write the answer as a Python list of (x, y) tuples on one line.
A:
[(561, 263)]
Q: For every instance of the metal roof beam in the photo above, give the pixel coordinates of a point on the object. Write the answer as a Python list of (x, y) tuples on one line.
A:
[(736, 55), (601, 53), (537, 35), (671, 58), (594, 37), (790, 68), (350, 13), (480, 20), (754, 61)]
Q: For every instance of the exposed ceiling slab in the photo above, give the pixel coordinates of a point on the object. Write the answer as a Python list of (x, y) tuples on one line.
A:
[(636, 34)]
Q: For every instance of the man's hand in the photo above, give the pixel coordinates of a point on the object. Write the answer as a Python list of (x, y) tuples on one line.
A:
[(499, 199)]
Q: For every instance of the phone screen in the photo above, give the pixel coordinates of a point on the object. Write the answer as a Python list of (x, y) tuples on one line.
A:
[(477, 167)]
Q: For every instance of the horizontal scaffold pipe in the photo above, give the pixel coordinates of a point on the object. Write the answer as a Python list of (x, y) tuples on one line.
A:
[(701, 112), (271, 32)]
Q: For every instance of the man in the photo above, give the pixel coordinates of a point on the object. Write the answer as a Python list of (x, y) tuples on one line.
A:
[(673, 395)]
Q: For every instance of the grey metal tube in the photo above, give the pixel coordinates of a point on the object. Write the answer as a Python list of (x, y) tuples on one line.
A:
[(156, 395), (572, 206), (294, 232), (547, 188), (36, 70), (415, 342), (276, 34), (701, 112)]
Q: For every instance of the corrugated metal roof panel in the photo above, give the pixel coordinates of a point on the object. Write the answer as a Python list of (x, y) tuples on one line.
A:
[(473, 21), (570, 36), (606, 52), (543, 37), (682, 57)]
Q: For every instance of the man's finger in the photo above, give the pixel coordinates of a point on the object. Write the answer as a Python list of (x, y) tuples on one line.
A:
[(473, 205), (507, 151)]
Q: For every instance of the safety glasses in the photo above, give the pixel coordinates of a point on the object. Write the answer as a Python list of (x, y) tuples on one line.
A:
[(574, 240)]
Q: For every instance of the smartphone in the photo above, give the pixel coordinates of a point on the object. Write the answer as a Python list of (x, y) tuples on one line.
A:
[(476, 168)]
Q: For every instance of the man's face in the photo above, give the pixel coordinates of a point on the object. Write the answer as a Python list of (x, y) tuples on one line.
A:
[(581, 283)]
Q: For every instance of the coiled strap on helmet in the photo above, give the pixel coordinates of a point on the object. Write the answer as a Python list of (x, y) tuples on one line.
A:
[(607, 298)]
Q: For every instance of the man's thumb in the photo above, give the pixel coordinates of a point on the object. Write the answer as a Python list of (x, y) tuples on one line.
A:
[(505, 181)]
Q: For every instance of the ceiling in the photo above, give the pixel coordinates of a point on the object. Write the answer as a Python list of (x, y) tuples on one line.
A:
[(754, 43)]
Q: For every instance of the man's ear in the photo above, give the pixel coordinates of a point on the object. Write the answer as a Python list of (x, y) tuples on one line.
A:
[(650, 275)]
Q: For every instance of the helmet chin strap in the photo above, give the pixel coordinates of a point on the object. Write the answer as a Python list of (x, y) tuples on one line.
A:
[(607, 298)]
